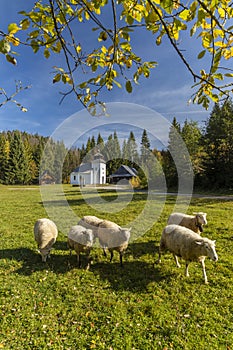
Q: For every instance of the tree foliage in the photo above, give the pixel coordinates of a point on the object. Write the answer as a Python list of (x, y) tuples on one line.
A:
[(57, 26)]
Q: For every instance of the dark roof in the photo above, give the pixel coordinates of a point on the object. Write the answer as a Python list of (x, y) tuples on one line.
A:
[(124, 171), (83, 167)]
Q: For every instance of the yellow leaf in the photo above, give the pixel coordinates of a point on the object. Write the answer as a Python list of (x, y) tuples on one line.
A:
[(78, 49), (220, 44), (13, 28), (184, 15), (221, 12), (227, 54), (13, 40)]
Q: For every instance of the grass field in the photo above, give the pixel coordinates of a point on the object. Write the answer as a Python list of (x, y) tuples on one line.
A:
[(141, 306)]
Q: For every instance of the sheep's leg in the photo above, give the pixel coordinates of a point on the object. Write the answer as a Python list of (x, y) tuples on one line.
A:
[(186, 269), (88, 261), (121, 258), (204, 271), (88, 264), (176, 260), (159, 258), (79, 260), (161, 247), (104, 252), (111, 254)]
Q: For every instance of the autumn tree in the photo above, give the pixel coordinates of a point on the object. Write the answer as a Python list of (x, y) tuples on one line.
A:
[(57, 27)]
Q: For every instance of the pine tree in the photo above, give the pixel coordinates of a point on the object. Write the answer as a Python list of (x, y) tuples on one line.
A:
[(132, 150), (4, 155), (18, 168), (191, 135), (218, 145), (145, 147)]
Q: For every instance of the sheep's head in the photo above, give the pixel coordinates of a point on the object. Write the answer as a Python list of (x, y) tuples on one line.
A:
[(201, 219), (89, 237), (126, 233), (45, 253), (208, 248)]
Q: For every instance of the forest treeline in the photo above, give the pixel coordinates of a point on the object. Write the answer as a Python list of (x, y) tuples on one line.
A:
[(25, 157)]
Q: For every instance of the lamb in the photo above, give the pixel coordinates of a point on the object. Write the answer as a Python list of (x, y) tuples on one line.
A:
[(81, 240), (45, 234), (113, 237), (193, 222), (187, 244), (91, 222)]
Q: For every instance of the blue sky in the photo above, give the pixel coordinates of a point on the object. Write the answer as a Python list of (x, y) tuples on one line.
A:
[(166, 92)]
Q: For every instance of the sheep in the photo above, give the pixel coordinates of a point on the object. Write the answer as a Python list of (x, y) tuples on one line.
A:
[(91, 222), (113, 237), (193, 222), (45, 234), (187, 244), (81, 240)]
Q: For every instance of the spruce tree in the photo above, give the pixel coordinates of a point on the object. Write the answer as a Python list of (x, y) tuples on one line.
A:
[(145, 147), (18, 169)]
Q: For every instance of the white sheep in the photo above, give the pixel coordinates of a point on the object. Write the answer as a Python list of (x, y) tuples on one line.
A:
[(91, 222), (113, 237), (45, 234), (188, 245), (81, 240), (193, 222)]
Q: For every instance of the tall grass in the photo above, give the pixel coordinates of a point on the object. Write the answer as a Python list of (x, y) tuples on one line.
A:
[(55, 305)]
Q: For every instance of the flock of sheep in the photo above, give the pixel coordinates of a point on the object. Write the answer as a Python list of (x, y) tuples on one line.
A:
[(182, 237)]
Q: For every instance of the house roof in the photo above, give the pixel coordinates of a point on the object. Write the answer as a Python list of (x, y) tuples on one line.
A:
[(100, 156), (124, 171), (83, 167)]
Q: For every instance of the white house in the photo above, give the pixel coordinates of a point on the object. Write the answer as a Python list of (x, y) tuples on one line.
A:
[(92, 173)]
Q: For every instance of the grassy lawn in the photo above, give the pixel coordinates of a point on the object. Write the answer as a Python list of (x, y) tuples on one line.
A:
[(141, 306)]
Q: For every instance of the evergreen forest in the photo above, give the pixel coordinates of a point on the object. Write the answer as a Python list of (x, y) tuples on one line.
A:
[(24, 157)]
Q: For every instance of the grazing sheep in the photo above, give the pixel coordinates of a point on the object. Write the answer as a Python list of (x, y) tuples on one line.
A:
[(81, 240), (45, 233), (193, 222), (90, 222), (113, 237), (188, 245)]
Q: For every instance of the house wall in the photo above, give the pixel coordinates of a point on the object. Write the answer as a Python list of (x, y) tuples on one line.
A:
[(99, 173), (96, 176)]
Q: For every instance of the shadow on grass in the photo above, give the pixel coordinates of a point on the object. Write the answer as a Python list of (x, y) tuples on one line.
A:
[(134, 275)]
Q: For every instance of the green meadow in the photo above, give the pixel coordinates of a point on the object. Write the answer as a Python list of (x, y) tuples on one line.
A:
[(142, 306)]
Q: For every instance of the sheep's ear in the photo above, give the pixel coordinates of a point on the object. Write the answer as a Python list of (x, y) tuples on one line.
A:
[(126, 229), (199, 243)]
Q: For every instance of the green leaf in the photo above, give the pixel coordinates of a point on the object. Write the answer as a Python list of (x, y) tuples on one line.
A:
[(4, 47), (11, 59), (46, 53), (201, 54), (25, 23), (128, 86), (103, 36), (57, 78)]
